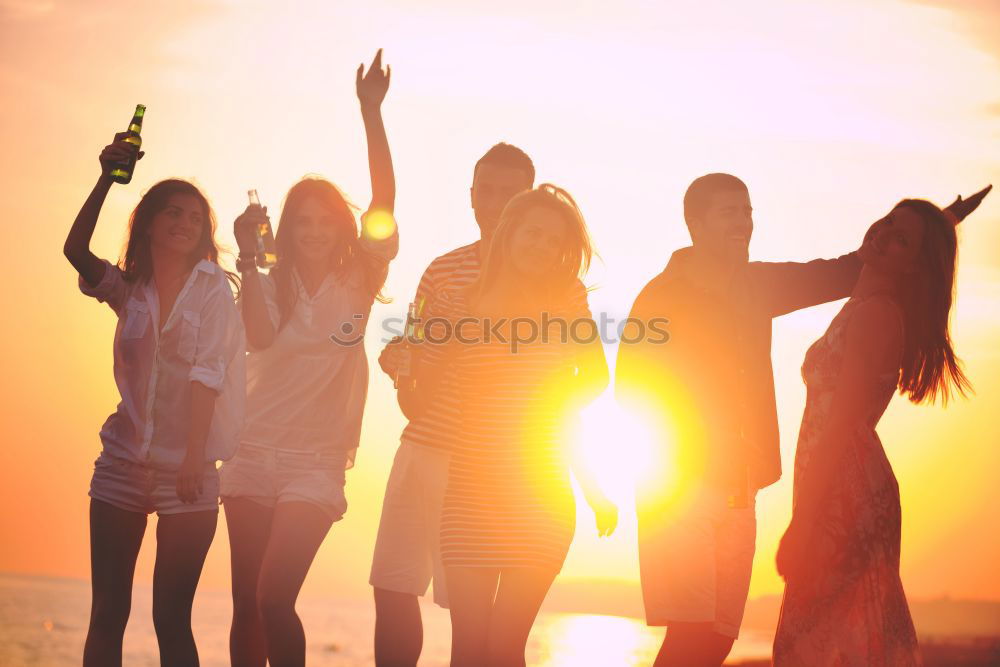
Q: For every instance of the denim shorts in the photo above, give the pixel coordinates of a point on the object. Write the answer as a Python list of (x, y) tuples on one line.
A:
[(270, 476), (135, 487)]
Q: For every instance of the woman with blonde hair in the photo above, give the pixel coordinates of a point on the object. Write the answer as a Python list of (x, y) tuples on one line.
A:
[(527, 356)]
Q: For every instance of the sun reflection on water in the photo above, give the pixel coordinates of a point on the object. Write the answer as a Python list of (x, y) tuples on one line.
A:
[(571, 640)]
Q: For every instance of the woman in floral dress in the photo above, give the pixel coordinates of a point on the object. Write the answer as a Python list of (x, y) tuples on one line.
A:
[(844, 602)]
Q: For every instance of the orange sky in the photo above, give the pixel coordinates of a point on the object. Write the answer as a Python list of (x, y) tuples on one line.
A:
[(831, 113)]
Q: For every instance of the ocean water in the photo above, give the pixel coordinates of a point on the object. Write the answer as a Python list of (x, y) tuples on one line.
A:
[(43, 621)]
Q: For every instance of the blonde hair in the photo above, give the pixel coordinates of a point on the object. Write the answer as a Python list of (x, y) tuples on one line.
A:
[(574, 260)]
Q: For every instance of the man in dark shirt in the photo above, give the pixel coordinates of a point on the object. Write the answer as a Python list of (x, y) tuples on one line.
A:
[(708, 393)]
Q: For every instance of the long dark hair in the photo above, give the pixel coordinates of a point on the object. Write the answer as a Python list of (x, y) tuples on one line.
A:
[(347, 255), (136, 261), (574, 260), (929, 367)]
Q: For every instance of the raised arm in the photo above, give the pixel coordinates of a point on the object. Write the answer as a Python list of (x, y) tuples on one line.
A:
[(789, 286), (872, 350), (257, 318), (371, 88), (77, 245)]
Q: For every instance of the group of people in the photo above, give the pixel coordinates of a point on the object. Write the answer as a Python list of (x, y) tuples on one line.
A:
[(479, 498)]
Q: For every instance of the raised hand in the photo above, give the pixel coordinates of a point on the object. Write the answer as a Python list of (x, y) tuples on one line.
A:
[(245, 228), (373, 85), (117, 151), (961, 208)]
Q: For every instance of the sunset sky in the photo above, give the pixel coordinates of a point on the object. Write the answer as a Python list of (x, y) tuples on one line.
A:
[(831, 111)]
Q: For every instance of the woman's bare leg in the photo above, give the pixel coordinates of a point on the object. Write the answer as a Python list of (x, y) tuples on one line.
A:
[(115, 538), (182, 542), (518, 599), (297, 531), (471, 591), (249, 525)]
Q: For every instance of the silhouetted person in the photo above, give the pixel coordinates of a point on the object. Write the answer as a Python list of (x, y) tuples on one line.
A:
[(407, 555), (179, 368), (305, 390), (844, 601), (709, 391), (509, 515)]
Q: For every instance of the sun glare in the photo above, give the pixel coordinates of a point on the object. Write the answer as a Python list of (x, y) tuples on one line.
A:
[(616, 445)]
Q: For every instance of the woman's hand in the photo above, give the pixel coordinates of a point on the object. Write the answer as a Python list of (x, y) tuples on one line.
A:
[(605, 514), (190, 478), (961, 208), (116, 152), (245, 228), (793, 549), (373, 86)]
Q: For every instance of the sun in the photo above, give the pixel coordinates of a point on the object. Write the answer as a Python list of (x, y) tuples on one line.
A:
[(616, 445)]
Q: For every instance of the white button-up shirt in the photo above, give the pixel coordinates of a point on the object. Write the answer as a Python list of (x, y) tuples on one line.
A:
[(202, 340), (306, 392)]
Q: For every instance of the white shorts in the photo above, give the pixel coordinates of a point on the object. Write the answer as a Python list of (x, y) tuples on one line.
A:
[(135, 487), (695, 562), (270, 476), (407, 549)]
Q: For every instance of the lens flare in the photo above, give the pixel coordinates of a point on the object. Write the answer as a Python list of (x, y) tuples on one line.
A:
[(377, 224), (617, 446)]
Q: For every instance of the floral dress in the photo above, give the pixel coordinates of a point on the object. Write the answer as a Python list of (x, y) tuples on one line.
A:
[(852, 610)]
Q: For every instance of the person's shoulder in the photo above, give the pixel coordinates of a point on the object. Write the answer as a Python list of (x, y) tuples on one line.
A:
[(215, 276), (452, 300), (211, 269), (875, 320), (663, 283), (453, 257)]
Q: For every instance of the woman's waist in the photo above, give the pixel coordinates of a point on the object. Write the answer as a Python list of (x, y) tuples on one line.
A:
[(291, 457)]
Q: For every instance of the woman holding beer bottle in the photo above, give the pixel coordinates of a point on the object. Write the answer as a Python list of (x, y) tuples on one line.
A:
[(179, 356), (307, 378)]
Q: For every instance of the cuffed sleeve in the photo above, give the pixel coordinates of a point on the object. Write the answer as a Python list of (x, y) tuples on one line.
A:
[(110, 289), (219, 338), (270, 294)]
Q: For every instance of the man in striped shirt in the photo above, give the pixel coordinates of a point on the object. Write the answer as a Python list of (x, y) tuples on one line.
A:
[(407, 554)]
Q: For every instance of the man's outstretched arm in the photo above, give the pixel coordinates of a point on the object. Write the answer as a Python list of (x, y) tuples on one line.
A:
[(790, 286)]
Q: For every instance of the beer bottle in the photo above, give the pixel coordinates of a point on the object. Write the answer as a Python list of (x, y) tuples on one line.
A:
[(267, 253), (404, 372), (121, 172)]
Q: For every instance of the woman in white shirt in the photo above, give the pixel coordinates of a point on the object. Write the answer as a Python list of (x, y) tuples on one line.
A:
[(179, 355), (307, 377)]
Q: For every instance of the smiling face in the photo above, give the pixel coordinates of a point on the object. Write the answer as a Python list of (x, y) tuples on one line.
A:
[(314, 231), (536, 245), (492, 187), (178, 228), (892, 245), (725, 226)]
